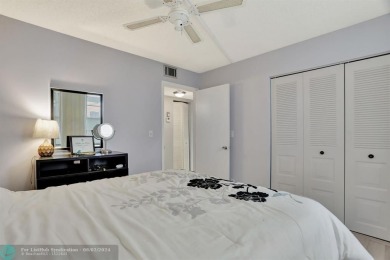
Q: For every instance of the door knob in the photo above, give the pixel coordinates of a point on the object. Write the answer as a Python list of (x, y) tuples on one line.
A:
[(224, 147), (322, 152)]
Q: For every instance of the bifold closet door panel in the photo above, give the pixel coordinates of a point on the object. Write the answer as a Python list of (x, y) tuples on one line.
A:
[(323, 92), (368, 147), (287, 134)]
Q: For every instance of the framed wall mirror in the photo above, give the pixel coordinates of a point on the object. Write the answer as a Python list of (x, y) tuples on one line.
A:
[(77, 113)]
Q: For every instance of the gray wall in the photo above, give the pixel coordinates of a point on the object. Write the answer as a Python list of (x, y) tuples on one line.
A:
[(250, 92), (32, 57)]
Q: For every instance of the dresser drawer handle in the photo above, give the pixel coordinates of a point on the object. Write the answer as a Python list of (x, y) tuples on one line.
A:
[(322, 152), (370, 156)]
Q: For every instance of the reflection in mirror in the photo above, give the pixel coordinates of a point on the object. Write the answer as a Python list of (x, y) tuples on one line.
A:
[(76, 113)]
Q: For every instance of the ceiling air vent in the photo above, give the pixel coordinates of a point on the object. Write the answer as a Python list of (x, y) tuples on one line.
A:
[(170, 71)]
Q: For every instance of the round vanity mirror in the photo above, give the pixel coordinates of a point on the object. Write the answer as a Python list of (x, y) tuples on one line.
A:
[(105, 132)]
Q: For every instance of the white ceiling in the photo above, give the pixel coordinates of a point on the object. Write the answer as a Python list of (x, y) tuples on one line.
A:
[(228, 35)]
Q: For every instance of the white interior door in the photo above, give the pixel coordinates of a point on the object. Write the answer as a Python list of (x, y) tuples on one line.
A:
[(323, 92), (287, 134), (367, 208), (181, 140), (212, 131)]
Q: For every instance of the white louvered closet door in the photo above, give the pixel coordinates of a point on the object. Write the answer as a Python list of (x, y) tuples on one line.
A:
[(323, 92), (368, 147), (287, 134)]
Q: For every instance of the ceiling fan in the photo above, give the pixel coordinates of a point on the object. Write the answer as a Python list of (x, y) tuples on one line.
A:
[(179, 16)]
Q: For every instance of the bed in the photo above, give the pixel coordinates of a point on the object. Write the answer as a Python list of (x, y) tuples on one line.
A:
[(177, 215)]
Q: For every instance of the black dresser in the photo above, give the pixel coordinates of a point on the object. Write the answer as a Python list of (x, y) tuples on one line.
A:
[(68, 169)]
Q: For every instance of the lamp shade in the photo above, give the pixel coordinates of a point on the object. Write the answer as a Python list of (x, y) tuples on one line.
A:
[(46, 129)]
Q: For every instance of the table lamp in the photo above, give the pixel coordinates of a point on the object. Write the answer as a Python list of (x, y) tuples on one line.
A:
[(47, 129)]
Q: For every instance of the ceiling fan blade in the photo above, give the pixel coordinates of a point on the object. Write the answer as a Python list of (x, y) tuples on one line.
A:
[(172, 3), (145, 23), (153, 4), (218, 5), (192, 34)]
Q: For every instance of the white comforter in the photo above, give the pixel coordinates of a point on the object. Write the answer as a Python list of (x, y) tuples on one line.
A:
[(158, 216)]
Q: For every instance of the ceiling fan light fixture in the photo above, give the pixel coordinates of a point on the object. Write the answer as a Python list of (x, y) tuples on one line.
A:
[(179, 25), (179, 17), (179, 94)]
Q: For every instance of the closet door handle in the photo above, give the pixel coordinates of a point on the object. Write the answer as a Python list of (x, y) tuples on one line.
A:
[(370, 156), (224, 147), (322, 152)]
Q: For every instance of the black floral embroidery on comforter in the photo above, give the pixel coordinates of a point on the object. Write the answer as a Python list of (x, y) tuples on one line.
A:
[(253, 196), (214, 183), (181, 198), (205, 183)]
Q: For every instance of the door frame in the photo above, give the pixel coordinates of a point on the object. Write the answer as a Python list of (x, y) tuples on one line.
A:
[(191, 119)]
